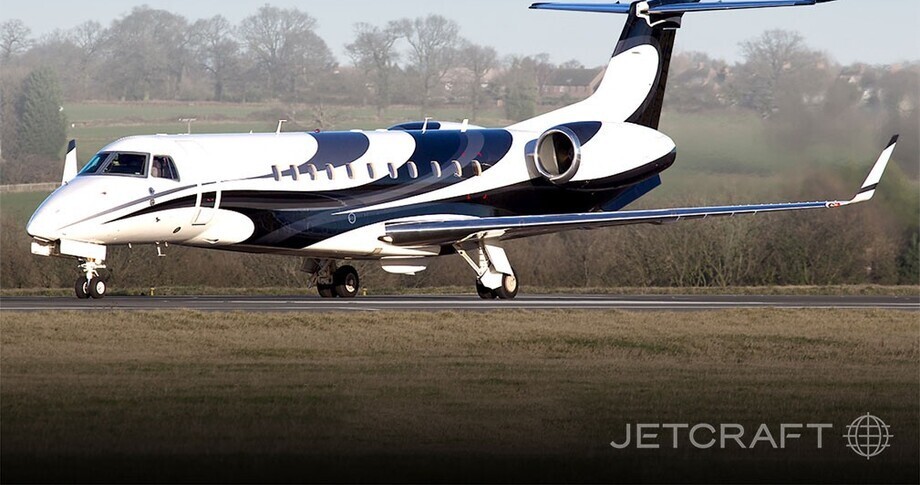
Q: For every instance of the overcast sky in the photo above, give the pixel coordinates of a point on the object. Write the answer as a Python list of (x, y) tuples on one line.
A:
[(872, 31)]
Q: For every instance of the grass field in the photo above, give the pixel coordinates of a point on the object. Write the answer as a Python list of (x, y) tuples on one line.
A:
[(507, 396)]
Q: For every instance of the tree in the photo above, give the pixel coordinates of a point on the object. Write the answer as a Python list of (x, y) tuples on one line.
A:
[(41, 127), (216, 51), (521, 91), (90, 38), (542, 69), (433, 41), (148, 55), (778, 68), (286, 48), (374, 53), (14, 38), (478, 60)]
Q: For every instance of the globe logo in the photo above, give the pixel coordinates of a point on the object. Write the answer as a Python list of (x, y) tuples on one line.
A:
[(868, 436)]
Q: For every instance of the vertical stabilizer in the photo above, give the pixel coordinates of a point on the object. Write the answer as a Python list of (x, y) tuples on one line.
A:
[(70, 162), (657, 30)]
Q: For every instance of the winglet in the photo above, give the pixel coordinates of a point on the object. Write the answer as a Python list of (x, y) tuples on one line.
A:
[(70, 163), (875, 175)]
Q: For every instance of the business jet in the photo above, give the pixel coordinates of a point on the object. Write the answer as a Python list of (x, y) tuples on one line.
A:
[(402, 195)]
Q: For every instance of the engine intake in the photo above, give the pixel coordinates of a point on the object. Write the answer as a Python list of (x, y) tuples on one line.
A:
[(557, 154)]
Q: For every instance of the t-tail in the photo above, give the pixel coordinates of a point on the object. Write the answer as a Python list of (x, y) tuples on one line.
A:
[(634, 85)]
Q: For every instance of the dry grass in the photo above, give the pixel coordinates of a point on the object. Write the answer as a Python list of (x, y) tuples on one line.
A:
[(448, 386)]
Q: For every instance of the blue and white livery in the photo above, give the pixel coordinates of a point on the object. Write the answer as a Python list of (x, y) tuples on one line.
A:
[(400, 195)]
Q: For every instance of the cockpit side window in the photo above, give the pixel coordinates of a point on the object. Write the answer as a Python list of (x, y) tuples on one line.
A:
[(163, 167), (94, 163), (126, 164)]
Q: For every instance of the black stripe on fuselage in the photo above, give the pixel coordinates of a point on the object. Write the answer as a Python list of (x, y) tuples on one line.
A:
[(294, 220), (294, 229)]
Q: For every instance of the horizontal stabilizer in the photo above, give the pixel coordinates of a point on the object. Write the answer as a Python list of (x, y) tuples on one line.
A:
[(672, 7)]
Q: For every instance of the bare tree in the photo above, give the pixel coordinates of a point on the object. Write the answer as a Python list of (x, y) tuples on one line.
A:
[(433, 41), (478, 60), (776, 63), (543, 69), (287, 49), (148, 53), (216, 51), (90, 38), (374, 52), (14, 38)]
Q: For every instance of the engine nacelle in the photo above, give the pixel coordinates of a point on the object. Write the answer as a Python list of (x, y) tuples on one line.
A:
[(557, 154)]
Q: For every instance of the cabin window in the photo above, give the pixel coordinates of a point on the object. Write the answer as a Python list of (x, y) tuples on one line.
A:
[(413, 170), (350, 171), (436, 169), (477, 168), (370, 171), (163, 167), (276, 173), (295, 173), (134, 164), (392, 169), (97, 161), (330, 171), (311, 169), (458, 169)]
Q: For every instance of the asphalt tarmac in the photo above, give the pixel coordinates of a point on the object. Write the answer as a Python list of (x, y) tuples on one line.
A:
[(454, 302)]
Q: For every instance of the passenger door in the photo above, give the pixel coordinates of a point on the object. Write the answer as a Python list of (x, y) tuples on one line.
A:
[(207, 203)]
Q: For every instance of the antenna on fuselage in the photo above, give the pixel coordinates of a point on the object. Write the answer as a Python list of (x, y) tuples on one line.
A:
[(188, 124), (280, 122)]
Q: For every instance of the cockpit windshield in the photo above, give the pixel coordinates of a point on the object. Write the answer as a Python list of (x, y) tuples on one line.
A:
[(97, 161), (117, 163)]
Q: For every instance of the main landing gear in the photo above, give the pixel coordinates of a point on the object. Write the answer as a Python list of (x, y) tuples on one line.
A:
[(494, 276), (333, 282), (90, 284)]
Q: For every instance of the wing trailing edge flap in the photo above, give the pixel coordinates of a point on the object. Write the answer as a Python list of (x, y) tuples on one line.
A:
[(511, 227)]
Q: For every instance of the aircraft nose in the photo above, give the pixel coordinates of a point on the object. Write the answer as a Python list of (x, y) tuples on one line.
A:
[(43, 224)]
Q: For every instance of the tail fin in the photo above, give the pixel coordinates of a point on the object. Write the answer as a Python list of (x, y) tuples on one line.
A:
[(70, 162), (659, 31), (654, 23)]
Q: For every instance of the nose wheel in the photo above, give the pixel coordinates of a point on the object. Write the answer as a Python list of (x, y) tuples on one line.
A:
[(90, 284)]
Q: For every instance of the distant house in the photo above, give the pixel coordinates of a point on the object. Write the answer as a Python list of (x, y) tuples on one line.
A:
[(573, 83)]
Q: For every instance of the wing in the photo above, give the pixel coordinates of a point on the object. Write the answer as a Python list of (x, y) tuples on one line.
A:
[(510, 227)]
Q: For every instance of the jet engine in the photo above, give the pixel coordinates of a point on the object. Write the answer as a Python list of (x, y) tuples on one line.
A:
[(557, 154)]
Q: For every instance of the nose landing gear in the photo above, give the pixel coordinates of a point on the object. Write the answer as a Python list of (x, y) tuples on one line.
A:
[(90, 285)]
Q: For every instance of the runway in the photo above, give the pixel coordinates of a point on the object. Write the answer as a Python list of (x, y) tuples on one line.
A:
[(455, 302)]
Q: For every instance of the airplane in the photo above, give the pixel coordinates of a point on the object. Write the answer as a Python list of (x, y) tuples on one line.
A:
[(401, 195)]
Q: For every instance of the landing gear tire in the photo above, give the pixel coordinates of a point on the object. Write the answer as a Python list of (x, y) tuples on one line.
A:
[(346, 282), (326, 291), (485, 293), (97, 287), (81, 288), (508, 289)]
